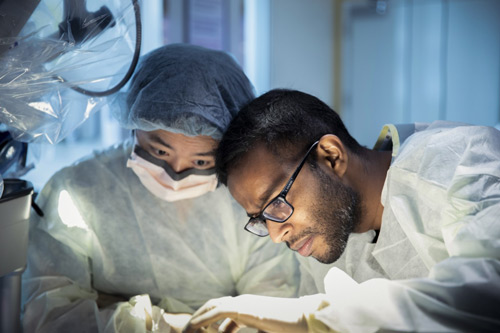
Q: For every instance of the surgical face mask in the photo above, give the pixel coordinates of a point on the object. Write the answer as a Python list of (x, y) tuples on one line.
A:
[(161, 180)]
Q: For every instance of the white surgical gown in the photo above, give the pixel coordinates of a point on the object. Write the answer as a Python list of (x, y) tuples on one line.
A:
[(436, 264), (104, 232)]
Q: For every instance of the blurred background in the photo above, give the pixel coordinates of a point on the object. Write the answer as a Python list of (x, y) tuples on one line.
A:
[(372, 61)]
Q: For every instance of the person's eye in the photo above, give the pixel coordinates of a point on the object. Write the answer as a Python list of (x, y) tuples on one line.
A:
[(160, 152), (201, 163), (277, 204)]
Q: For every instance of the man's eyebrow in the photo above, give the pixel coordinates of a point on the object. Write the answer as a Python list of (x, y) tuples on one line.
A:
[(159, 140), (208, 153)]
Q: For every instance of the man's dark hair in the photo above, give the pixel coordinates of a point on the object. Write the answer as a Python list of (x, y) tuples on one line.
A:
[(285, 122)]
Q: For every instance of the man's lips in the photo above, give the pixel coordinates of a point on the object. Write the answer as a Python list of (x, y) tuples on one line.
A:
[(304, 247)]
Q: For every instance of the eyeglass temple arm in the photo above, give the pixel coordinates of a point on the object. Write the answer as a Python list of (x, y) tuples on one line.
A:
[(292, 179)]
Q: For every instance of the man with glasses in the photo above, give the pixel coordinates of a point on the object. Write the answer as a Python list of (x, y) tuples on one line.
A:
[(409, 230)]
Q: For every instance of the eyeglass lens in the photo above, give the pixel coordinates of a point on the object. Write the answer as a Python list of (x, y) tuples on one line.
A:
[(257, 226), (278, 210)]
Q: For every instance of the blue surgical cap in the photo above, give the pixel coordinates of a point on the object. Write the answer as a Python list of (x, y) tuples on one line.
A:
[(185, 89)]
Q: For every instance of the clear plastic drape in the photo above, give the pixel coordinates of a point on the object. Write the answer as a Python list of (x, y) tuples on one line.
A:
[(64, 64)]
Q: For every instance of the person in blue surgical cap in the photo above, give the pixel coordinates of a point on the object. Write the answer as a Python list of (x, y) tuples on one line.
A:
[(137, 237)]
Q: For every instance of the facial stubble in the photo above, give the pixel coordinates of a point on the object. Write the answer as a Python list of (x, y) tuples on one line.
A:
[(336, 213)]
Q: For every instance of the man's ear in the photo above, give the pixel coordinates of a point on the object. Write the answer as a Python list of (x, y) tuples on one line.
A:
[(333, 154)]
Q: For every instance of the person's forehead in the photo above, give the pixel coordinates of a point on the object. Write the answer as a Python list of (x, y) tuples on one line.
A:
[(256, 177), (200, 144)]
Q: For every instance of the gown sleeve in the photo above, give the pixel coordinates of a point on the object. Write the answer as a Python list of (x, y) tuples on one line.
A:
[(57, 287)]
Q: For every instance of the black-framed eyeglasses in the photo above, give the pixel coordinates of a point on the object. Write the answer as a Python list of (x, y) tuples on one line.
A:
[(277, 210)]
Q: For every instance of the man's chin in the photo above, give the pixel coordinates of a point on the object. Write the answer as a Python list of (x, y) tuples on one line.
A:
[(326, 259), (329, 256)]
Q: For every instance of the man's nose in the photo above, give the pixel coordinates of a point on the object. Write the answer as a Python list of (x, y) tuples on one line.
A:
[(177, 165), (277, 230)]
